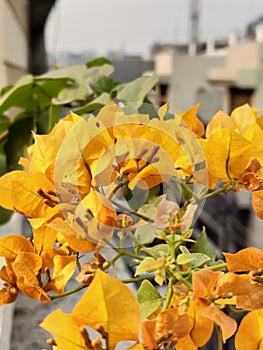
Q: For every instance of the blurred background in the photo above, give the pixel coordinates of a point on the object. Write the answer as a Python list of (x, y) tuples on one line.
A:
[(206, 51)]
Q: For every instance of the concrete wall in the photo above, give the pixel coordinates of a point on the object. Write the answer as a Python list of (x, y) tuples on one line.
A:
[(13, 40), (15, 225), (13, 64), (189, 82)]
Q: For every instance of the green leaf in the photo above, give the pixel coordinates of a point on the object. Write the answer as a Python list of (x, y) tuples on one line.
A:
[(96, 104), (137, 90), (158, 251), (148, 298), (102, 84), (148, 265), (202, 246), (71, 72), (100, 61), (3, 167), (5, 122), (74, 91), (194, 260), (54, 113), (184, 259), (15, 95), (19, 138), (145, 234), (5, 215), (5, 89), (149, 209), (43, 122), (52, 86)]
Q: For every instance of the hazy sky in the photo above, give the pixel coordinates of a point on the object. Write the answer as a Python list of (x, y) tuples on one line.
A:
[(133, 25)]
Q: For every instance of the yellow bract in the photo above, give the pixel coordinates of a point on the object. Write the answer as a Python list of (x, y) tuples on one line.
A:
[(250, 333), (66, 332), (110, 305)]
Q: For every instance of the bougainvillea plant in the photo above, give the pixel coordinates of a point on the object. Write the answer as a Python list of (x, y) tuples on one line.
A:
[(135, 183)]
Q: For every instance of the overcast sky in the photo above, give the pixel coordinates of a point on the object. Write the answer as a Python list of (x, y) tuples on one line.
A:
[(133, 25)]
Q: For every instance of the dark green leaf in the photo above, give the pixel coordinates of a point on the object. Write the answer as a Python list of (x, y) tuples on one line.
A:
[(5, 215), (5, 122), (43, 122), (52, 87), (202, 246), (19, 138), (102, 84), (5, 89), (100, 61), (3, 167), (17, 93)]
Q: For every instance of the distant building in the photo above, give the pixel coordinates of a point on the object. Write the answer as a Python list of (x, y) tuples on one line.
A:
[(131, 67), (66, 58), (222, 75)]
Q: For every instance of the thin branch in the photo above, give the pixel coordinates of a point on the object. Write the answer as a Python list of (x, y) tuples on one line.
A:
[(69, 292)]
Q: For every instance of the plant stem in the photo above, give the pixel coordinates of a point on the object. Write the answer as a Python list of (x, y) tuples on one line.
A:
[(115, 190), (169, 295), (72, 291), (122, 251), (112, 261), (137, 279), (125, 209), (221, 266), (219, 338), (226, 188), (78, 263), (218, 267)]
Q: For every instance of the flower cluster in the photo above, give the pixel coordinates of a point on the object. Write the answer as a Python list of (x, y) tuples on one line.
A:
[(133, 180)]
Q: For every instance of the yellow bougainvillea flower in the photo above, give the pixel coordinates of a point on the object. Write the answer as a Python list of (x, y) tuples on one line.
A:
[(250, 332), (168, 326), (232, 143), (201, 328), (94, 217), (192, 121), (110, 306), (28, 194), (67, 167), (205, 288), (9, 292), (22, 271), (64, 267), (144, 151), (42, 154), (67, 333), (247, 259)]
